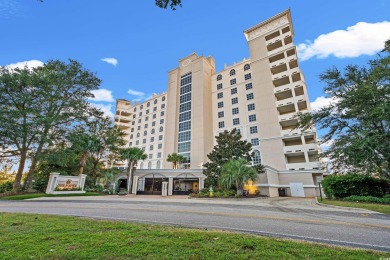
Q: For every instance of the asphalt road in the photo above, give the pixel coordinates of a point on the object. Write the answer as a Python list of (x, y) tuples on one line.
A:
[(288, 218)]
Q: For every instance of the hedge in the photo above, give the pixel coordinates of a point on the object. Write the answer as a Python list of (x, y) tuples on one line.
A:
[(6, 186), (342, 186), (368, 199)]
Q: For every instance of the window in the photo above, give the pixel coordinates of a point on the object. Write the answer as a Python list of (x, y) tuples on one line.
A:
[(141, 107), (159, 155), (234, 101), (252, 118), (154, 109), (159, 146), (147, 111), (131, 136), (235, 111), (150, 163), (141, 166), (163, 98), (161, 121), (153, 131), (132, 130), (138, 134), (161, 129), (160, 137), (137, 142), (154, 116), (184, 136), (134, 115), (233, 91), (138, 127), (151, 139), (221, 124), (220, 114), (220, 95), (185, 107), (248, 86), (133, 123), (232, 81), (151, 148), (249, 96), (236, 121), (184, 126), (185, 116), (148, 105), (248, 76), (185, 98), (143, 149), (162, 106), (220, 104), (154, 123), (219, 86), (256, 157), (135, 109), (255, 141), (146, 118), (232, 72), (184, 147), (146, 126), (144, 141), (139, 120), (247, 67), (253, 129), (251, 107), (162, 113), (155, 101), (140, 114), (131, 143), (158, 163), (238, 130), (219, 77)]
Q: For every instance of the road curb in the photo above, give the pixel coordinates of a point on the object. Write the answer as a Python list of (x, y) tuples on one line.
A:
[(345, 208)]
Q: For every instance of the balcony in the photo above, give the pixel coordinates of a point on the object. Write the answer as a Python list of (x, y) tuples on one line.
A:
[(280, 75), (122, 125), (278, 69), (278, 82), (286, 108), (294, 149), (291, 132), (123, 119), (303, 166), (279, 37), (286, 117)]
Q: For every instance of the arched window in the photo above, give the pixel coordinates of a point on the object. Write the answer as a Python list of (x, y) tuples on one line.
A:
[(256, 157), (232, 72), (153, 131), (137, 134), (163, 99), (155, 101), (161, 129), (247, 67), (131, 136), (145, 133), (149, 165), (141, 166), (219, 77), (148, 105), (158, 165)]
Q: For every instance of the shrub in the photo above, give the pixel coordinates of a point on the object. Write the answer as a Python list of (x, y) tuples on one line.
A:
[(6, 186), (368, 199), (41, 181), (341, 186)]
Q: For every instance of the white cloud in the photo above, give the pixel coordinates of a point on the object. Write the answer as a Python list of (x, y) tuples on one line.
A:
[(111, 61), (22, 64), (102, 95), (136, 93), (325, 146), (105, 108), (360, 39), (321, 102)]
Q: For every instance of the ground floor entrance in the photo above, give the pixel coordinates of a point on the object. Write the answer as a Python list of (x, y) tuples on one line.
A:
[(185, 186), (151, 185)]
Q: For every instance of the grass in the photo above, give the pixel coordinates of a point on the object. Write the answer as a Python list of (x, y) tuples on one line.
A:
[(31, 236), (364, 205), (40, 195)]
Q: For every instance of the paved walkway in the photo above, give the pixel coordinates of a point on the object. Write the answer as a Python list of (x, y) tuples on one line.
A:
[(285, 202)]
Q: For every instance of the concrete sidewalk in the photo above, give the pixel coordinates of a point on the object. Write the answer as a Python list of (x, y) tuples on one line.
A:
[(288, 203)]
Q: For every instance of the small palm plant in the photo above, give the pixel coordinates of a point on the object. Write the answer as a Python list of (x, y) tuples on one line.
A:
[(235, 173), (176, 159), (132, 155)]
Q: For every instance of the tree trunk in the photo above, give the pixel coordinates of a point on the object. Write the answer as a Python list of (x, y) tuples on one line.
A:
[(83, 162), (34, 162), (18, 178), (129, 177)]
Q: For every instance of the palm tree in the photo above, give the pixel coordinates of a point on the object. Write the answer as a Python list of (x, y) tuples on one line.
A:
[(176, 159), (235, 173), (132, 155)]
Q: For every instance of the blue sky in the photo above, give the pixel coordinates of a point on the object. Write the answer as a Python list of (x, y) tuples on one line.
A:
[(145, 42)]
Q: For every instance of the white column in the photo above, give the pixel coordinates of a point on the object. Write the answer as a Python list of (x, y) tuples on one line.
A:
[(170, 186), (81, 181), (201, 183), (164, 189), (135, 185), (52, 182)]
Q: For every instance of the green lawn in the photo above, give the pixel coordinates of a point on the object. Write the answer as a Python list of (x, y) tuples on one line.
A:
[(370, 206), (31, 236), (39, 195)]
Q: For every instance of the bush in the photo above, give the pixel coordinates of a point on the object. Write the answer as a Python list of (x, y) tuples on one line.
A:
[(6, 186), (341, 186), (368, 199), (41, 181)]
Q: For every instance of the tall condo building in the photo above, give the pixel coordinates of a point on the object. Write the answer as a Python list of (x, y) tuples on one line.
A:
[(259, 96)]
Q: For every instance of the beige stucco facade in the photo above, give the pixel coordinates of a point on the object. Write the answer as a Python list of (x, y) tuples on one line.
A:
[(259, 96)]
